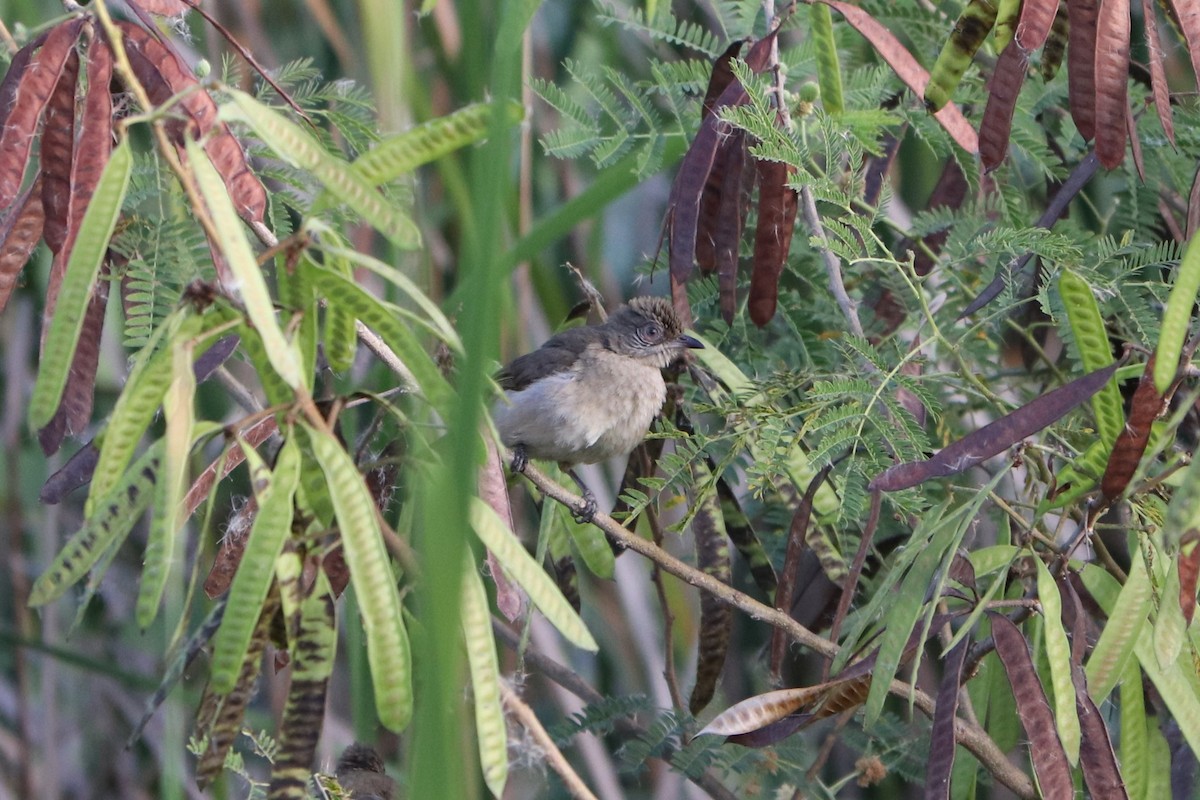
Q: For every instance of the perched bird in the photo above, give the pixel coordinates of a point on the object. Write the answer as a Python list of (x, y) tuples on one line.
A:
[(360, 772), (589, 394)]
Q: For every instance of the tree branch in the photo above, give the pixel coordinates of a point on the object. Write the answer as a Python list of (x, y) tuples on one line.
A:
[(972, 737)]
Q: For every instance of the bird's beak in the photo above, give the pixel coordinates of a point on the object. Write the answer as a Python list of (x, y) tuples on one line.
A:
[(689, 342)]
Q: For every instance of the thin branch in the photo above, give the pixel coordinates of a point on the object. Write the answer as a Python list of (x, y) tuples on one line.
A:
[(668, 618), (833, 265), (554, 756), (969, 736), (570, 680)]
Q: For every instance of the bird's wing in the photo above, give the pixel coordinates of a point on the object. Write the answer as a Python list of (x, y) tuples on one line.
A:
[(558, 354)]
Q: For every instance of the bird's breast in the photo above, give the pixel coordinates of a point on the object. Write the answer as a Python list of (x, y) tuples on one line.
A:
[(599, 409)]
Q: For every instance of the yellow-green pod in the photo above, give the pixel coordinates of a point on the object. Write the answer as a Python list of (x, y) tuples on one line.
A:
[(1125, 621), (485, 681), (274, 490), (1091, 340), (970, 30), (1007, 14), (1058, 656)]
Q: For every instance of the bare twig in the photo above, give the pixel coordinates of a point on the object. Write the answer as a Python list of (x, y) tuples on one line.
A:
[(668, 617), (969, 736), (833, 265), (554, 756)]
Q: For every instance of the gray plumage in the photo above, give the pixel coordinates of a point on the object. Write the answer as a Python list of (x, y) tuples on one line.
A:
[(589, 394)]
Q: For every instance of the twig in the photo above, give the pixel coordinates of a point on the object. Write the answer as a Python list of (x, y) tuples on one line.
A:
[(969, 736), (833, 265), (379, 347), (851, 582), (554, 756), (668, 617), (570, 680)]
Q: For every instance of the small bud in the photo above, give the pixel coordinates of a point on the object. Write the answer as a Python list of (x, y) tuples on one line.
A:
[(202, 68), (809, 92)]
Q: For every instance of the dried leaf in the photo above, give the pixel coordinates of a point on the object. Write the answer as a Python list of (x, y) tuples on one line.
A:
[(1045, 749), (32, 92), (941, 738), (907, 69), (997, 436), (1131, 442), (777, 205), (1112, 80), (19, 234), (1003, 90), (1081, 65), (1158, 72)]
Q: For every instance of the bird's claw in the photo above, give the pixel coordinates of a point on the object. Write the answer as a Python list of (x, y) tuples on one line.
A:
[(519, 459), (586, 512)]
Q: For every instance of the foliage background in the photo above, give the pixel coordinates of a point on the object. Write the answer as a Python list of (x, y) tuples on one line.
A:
[(619, 101)]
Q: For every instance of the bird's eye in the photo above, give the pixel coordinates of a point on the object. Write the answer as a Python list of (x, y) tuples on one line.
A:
[(652, 332)]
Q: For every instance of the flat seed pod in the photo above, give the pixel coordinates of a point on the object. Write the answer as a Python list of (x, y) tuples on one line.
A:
[(970, 29), (1003, 90), (777, 205), (1056, 44), (1187, 12), (1045, 749), (907, 69), (34, 87), (716, 618), (1081, 65), (304, 711), (164, 77), (58, 143), (1131, 442), (20, 232), (1034, 25), (1112, 80), (1158, 72)]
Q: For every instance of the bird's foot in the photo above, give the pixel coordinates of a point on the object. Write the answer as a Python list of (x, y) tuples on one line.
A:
[(586, 512), (519, 459)]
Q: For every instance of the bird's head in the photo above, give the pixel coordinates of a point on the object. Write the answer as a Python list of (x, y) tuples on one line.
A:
[(649, 329)]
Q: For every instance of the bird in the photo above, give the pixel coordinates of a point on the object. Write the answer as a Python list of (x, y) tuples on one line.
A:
[(360, 772), (590, 393)]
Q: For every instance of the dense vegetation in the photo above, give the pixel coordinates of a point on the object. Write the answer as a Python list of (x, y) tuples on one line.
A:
[(939, 256)]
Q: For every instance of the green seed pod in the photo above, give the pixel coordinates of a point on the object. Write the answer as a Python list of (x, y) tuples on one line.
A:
[(969, 32)]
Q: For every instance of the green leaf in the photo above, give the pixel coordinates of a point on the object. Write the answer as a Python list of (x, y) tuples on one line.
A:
[(83, 269)]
